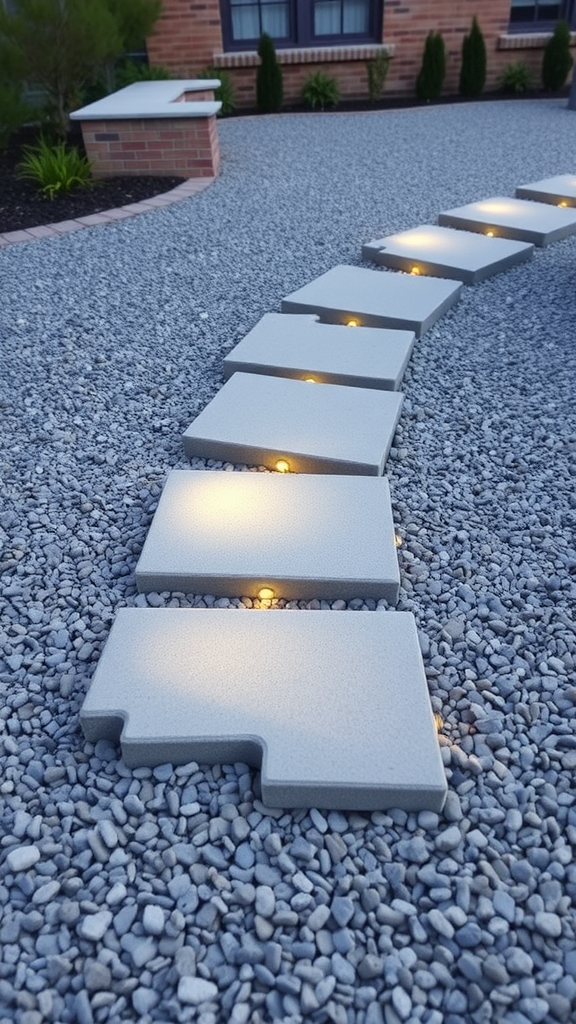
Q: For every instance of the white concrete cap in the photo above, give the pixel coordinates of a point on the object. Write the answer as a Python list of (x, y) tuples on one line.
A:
[(300, 347), (446, 252), (316, 428), (333, 705), (525, 221), (303, 537), (559, 191), (152, 99), (374, 299)]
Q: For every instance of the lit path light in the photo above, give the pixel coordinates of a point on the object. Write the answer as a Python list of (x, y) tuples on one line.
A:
[(272, 535), (520, 219), (334, 707)]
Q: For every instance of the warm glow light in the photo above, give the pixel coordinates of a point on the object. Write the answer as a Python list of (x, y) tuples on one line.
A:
[(352, 323), (282, 466), (415, 270), (438, 721), (310, 380), (497, 206), (398, 540), (265, 594), (563, 203), (490, 234)]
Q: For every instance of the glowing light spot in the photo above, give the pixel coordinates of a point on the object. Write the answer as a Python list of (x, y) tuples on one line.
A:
[(438, 721), (563, 203), (490, 234), (352, 323), (415, 270), (398, 540), (282, 466), (310, 380), (265, 594)]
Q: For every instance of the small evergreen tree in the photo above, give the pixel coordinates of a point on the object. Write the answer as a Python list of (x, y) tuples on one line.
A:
[(473, 67), (269, 87), (557, 59), (431, 76)]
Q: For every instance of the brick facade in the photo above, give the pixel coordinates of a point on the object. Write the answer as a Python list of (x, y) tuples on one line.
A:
[(188, 38)]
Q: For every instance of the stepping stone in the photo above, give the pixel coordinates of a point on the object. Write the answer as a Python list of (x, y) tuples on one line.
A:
[(300, 537), (559, 191), (446, 252), (300, 347), (307, 428), (502, 217), (370, 298), (333, 705)]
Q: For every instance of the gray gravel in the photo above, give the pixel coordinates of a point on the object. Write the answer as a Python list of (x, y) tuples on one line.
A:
[(174, 895)]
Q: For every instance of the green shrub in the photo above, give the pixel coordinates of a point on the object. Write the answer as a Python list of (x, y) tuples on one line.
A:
[(320, 90), (225, 94), (377, 71), (269, 85), (131, 71), (14, 111), (473, 67), (431, 75), (557, 59), (516, 78), (55, 168)]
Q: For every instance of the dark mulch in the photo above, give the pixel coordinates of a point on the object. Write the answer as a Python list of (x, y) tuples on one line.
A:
[(23, 206)]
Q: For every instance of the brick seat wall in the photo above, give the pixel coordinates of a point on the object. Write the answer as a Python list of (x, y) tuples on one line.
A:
[(166, 147)]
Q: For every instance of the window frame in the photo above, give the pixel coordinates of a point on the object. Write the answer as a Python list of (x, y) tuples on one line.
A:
[(301, 21), (534, 24)]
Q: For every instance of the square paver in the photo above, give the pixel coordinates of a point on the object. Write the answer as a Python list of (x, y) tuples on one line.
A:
[(308, 428), (521, 219), (287, 345), (299, 536), (372, 298), (559, 191), (446, 252), (334, 706)]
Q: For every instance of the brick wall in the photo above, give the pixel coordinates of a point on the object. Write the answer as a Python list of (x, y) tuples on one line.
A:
[(188, 37), (166, 147)]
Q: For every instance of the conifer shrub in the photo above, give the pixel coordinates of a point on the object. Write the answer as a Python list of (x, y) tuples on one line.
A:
[(473, 67), (557, 59), (431, 76), (269, 86), (376, 73)]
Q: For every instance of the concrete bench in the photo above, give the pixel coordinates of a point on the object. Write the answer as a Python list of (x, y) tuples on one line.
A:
[(164, 128)]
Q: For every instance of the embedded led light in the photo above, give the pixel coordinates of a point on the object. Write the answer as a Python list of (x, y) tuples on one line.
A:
[(415, 270), (490, 234), (282, 466), (563, 203), (352, 323), (265, 594), (310, 380)]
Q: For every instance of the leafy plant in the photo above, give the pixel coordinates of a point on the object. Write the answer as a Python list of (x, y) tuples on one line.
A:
[(14, 111), (516, 78), (61, 45), (269, 84), (130, 71), (473, 67), (431, 75), (320, 90), (377, 71), (557, 59), (55, 168), (225, 94)]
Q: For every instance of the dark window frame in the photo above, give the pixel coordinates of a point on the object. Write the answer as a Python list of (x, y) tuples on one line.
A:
[(567, 12), (301, 19)]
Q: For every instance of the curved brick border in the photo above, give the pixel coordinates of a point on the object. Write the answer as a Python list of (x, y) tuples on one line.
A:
[(188, 188)]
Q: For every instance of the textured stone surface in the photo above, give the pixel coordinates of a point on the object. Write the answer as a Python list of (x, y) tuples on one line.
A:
[(324, 428), (303, 536), (521, 219), (335, 706), (374, 299), (446, 252), (298, 346), (559, 190)]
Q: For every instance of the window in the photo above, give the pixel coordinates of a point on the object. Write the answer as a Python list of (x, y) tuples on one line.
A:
[(541, 14), (300, 22)]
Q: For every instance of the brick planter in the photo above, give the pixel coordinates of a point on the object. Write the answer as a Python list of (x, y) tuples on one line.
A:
[(153, 128)]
